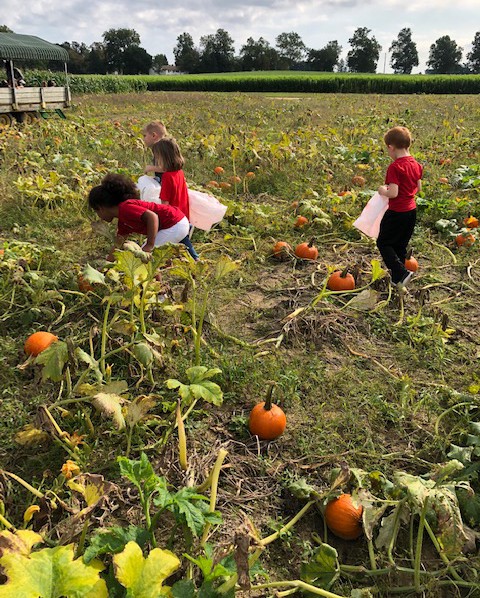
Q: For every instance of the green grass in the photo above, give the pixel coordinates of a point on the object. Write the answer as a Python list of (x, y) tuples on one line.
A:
[(358, 387)]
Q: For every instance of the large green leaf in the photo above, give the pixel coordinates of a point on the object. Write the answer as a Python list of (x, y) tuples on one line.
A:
[(93, 276), (53, 359), (51, 573), (200, 387), (140, 473), (143, 578), (114, 540), (323, 568)]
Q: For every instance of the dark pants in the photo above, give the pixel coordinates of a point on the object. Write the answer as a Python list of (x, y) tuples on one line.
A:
[(188, 244), (396, 230)]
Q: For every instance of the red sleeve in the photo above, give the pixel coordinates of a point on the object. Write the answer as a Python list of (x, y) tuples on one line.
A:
[(392, 175), (129, 217)]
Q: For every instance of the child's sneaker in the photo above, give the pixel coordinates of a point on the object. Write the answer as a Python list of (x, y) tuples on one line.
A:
[(404, 282)]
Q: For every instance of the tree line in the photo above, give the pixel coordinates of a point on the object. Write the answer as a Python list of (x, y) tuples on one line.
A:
[(120, 52)]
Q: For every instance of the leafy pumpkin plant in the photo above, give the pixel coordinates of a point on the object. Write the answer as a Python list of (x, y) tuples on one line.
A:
[(267, 420)]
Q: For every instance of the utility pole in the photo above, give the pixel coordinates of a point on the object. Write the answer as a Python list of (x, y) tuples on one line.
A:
[(384, 62)]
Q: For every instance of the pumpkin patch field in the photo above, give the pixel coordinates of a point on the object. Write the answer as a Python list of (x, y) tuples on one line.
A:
[(273, 420)]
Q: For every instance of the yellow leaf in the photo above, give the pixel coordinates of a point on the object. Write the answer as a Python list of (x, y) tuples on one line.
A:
[(142, 577)]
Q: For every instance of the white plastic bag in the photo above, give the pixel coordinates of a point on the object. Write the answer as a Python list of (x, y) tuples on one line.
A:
[(149, 189), (205, 210), (369, 220)]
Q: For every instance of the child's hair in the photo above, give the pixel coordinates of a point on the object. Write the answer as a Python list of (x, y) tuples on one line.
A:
[(168, 151), (399, 137), (156, 127), (113, 189)]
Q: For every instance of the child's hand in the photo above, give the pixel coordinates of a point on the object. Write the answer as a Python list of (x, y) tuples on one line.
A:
[(149, 168), (383, 190), (148, 247)]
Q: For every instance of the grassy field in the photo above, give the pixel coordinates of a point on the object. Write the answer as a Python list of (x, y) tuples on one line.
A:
[(384, 391)]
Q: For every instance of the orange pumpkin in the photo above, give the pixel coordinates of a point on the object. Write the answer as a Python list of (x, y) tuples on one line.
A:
[(294, 205), (443, 180), (411, 264), (218, 170), (306, 251), (341, 280), (300, 221), (212, 184), (225, 185), (281, 249), (235, 179), (343, 518), (250, 175), (38, 342), (471, 222), (465, 240), (267, 420)]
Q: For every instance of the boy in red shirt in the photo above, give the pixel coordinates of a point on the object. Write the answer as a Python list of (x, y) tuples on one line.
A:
[(402, 182)]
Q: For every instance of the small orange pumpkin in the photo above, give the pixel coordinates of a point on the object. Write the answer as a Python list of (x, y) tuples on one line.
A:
[(294, 205), (411, 264), (38, 342), (306, 251), (281, 249), (443, 180), (212, 184), (465, 240), (471, 222), (235, 179), (341, 280), (267, 420), (218, 170), (300, 221), (224, 185), (250, 175), (343, 518)]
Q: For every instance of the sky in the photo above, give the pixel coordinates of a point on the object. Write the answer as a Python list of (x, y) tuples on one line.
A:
[(316, 21)]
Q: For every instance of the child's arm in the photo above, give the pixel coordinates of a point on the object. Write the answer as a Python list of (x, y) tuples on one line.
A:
[(419, 186), (119, 241), (150, 168), (389, 191), (150, 219)]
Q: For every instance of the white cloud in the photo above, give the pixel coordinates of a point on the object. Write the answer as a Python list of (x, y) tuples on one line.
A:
[(316, 21)]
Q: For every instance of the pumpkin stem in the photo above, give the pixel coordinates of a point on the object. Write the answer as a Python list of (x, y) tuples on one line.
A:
[(344, 272), (409, 253), (312, 241), (268, 398)]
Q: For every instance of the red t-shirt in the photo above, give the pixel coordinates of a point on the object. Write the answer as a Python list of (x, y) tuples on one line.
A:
[(174, 190), (404, 172), (130, 216)]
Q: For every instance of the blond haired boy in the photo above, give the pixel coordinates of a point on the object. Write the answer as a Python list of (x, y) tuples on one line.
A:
[(152, 133), (402, 182)]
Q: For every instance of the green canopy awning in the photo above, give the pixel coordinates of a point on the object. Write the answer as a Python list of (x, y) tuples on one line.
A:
[(14, 46)]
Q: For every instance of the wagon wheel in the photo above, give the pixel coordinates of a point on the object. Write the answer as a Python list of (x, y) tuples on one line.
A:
[(6, 120), (29, 117)]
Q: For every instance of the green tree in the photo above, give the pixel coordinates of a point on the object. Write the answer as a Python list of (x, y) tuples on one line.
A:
[(217, 52), (5, 29), (404, 52), (158, 61), (326, 58), (473, 57), (97, 61), (290, 48), (187, 57), (116, 41), (363, 56), (258, 55), (445, 56), (136, 61), (78, 54)]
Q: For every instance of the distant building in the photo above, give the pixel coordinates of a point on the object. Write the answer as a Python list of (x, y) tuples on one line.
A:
[(169, 69)]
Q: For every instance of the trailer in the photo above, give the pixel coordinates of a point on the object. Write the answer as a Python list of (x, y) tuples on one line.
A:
[(27, 103)]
